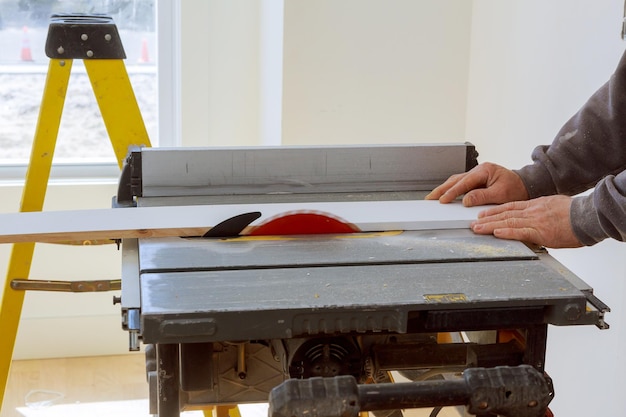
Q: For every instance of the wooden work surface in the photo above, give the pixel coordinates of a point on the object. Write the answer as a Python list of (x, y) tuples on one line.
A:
[(142, 222)]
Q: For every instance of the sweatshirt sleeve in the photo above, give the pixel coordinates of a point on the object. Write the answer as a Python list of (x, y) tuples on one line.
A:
[(589, 151), (602, 214)]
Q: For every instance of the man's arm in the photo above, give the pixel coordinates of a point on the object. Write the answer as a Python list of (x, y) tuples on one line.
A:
[(590, 146), (590, 150), (602, 214)]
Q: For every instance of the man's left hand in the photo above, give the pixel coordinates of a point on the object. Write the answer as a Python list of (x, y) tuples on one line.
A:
[(544, 221)]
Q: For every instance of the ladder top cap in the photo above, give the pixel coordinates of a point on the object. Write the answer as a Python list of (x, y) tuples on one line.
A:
[(81, 19), (83, 36)]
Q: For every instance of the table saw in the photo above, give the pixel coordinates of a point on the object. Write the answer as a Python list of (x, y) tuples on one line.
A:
[(308, 311)]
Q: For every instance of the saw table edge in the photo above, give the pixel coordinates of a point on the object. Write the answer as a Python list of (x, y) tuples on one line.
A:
[(195, 220)]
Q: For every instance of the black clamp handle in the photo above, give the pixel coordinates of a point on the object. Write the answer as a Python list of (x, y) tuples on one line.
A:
[(520, 391)]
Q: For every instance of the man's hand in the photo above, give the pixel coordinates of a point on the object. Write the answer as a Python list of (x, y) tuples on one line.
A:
[(486, 183), (543, 221)]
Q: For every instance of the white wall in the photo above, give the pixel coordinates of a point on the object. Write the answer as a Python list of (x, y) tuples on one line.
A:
[(369, 71), (352, 71), (533, 64), (231, 72), (220, 72)]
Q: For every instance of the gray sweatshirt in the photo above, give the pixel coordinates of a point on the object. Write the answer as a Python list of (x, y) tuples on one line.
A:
[(589, 151)]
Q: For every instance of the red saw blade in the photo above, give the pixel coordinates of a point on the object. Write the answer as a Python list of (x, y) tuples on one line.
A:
[(303, 223)]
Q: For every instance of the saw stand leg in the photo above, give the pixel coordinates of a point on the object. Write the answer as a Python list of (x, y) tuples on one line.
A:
[(168, 377), (95, 40), (168, 402)]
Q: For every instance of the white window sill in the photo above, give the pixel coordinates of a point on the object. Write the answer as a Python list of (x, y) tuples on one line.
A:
[(80, 172)]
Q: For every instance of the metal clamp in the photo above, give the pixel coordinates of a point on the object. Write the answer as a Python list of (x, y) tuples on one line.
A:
[(66, 286)]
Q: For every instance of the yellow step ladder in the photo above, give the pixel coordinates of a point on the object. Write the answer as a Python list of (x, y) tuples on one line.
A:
[(95, 40)]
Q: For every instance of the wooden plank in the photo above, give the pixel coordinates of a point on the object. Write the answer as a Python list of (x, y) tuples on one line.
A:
[(144, 222)]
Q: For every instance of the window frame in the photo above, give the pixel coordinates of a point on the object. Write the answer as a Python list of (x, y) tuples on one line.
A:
[(168, 25)]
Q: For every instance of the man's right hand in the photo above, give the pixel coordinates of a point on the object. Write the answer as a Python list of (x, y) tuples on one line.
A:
[(486, 183)]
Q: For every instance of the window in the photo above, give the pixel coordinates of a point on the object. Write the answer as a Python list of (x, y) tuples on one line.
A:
[(82, 136)]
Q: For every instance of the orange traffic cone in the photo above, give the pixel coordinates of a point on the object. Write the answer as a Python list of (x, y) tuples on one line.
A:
[(144, 57), (26, 54)]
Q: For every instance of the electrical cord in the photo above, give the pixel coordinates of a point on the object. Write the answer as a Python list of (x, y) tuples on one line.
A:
[(435, 411)]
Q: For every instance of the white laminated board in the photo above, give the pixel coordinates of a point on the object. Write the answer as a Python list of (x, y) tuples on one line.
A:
[(195, 220)]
